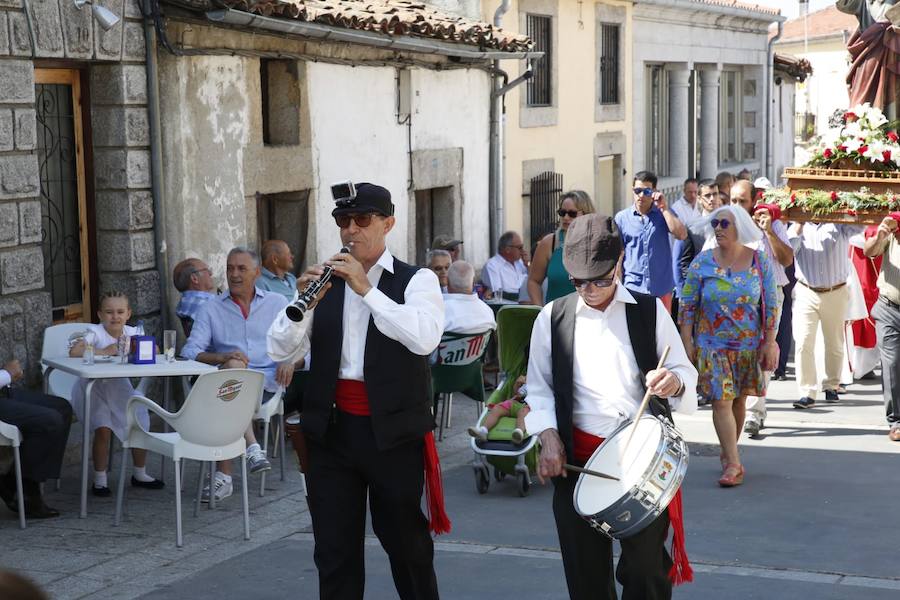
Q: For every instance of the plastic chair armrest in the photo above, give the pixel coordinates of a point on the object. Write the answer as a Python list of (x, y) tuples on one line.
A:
[(152, 406)]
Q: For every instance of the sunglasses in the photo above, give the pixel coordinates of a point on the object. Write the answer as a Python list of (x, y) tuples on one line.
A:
[(363, 220), (563, 212), (585, 284), (716, 222), (643, 191)]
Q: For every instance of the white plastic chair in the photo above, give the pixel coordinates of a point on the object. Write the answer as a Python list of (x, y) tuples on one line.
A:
[(10, 436), (265, 412), (209, 427), (56, 344)]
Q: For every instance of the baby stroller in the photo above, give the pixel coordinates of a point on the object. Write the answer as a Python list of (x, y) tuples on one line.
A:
[(514, 324)]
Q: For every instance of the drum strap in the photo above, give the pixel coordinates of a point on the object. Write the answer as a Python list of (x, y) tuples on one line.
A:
[(641, 319)]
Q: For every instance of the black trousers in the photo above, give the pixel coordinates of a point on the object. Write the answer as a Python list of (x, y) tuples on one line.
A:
[(785, 335), (44, 422), (345, 469), (587, 555)]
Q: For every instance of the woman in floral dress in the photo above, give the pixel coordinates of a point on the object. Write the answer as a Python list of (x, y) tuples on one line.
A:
[(727, 289)]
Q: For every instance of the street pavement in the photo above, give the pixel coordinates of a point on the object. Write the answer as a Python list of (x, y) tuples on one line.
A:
[(811, 520)]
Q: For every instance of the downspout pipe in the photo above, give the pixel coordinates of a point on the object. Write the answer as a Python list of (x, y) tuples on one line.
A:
[(156, 177), (768, 137), (496, 219)]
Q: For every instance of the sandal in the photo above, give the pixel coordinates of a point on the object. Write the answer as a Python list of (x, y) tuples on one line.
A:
[(723, 461), (732, 476)]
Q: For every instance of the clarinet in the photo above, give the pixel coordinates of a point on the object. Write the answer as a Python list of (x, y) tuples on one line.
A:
[(298, 308)]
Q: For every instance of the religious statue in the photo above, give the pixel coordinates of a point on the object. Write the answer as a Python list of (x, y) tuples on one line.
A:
[(874, 49)]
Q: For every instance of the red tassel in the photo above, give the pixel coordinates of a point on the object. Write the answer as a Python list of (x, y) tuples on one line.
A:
[(681, 571), (438, 521)]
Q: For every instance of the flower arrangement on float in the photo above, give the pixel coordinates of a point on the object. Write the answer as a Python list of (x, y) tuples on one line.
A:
[(852, 174)]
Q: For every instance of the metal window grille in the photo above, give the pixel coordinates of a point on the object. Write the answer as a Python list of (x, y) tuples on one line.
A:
[(539, 90), (546, 189), (609, 63)]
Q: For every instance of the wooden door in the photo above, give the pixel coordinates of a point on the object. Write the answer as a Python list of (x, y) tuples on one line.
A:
[(64, 215)]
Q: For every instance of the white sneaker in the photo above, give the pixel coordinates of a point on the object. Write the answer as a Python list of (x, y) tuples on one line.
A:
[(752, 425), (257, 461), (479, 433), (517, 436), (223, 490)]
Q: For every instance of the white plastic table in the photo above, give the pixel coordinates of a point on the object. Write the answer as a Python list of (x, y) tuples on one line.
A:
[(113, 370)]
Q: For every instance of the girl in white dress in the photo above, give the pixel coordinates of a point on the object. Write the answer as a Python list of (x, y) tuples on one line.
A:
[(109, 397)]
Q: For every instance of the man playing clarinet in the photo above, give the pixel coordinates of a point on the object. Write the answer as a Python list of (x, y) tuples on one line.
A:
[(592, 353), (366, 411)]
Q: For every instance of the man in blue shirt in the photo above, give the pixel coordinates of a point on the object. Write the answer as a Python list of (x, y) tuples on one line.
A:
[(193, 278), (230, 332), (275, 275), (645, 229)]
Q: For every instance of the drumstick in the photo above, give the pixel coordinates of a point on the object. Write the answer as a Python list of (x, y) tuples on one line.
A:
[(569, 467), (644, 402)]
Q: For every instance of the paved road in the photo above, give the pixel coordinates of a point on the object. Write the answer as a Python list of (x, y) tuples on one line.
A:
[(808, 522)]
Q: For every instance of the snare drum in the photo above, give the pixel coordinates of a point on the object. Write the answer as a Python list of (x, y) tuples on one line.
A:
[(650, 471)]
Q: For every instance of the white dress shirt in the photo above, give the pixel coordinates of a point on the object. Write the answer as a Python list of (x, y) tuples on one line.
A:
[(5, 378), (417, 324), (503, 276), (466, 313), (607, 383), (781, 232), (686, 213)]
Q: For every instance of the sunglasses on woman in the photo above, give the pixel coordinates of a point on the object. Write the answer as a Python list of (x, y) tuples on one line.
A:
[(585, 284), (716, 222), (363, 220), (563, 212)]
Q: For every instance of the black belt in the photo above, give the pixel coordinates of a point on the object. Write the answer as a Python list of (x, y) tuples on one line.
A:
[(822, 290), (889, 303)]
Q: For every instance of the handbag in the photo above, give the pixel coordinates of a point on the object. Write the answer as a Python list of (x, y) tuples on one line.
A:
[(762, 309)]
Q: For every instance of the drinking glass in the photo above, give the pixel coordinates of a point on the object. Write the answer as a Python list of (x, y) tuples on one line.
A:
[(122, 348), (169, 344), (89, 341)]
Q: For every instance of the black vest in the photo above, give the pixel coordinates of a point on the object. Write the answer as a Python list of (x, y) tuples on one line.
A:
[(641, 318), (396, 379)]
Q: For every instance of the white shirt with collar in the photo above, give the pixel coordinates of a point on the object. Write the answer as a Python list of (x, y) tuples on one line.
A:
[(503, 276), (607, 382), (417, 323), (686, 213), (5, 378), (466, 313)]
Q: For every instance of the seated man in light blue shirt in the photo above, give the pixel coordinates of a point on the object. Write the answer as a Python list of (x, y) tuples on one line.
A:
[(276, 275), (230, 332)]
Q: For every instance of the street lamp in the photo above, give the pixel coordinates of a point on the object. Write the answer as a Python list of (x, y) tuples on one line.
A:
[(106, 18)]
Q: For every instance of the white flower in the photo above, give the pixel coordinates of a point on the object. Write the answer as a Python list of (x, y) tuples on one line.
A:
[(853, 144), (853, 129), (875, 152)]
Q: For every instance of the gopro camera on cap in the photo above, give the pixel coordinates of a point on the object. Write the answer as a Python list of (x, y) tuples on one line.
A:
[(344, 193)]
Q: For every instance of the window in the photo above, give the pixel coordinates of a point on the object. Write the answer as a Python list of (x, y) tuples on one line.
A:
[(609, 63), (540, 86), (285, 216), (730, 122), (657, 120), (280, 102), (434, 216)]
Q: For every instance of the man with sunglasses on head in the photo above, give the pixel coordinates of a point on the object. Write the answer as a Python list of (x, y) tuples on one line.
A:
[(592, 354), (366, 411), (645, 229)]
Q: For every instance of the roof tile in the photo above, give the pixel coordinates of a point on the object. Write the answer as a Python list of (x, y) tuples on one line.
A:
[(828, 21), (394, 17)]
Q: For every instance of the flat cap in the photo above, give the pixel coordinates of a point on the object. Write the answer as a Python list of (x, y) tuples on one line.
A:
[(445, 242), (593, 246)]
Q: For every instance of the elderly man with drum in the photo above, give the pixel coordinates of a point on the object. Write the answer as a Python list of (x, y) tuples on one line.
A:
[(592, 353)]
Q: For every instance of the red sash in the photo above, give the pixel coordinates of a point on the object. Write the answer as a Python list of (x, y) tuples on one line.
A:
[(351, 397), (584, 445)]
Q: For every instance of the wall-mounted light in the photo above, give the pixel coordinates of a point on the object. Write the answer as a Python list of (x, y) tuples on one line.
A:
[(106, 18)]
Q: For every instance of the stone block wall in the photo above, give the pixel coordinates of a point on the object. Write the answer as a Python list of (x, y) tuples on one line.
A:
[(119, 170)]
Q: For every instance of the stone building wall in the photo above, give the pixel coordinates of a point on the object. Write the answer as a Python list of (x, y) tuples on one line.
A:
[(119, 169)]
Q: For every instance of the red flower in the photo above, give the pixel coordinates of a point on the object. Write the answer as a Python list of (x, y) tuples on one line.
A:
[(842, 148), (863, 149), (828, 153), (892, 135), (834, 196), (887, 155), (851, 212), (760, 195), (850, 117), (793, 198)]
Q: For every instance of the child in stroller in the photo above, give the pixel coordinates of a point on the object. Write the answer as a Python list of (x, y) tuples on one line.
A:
[(515, 407)]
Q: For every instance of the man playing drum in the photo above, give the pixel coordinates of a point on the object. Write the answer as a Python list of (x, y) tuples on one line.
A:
[(584, 380)]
